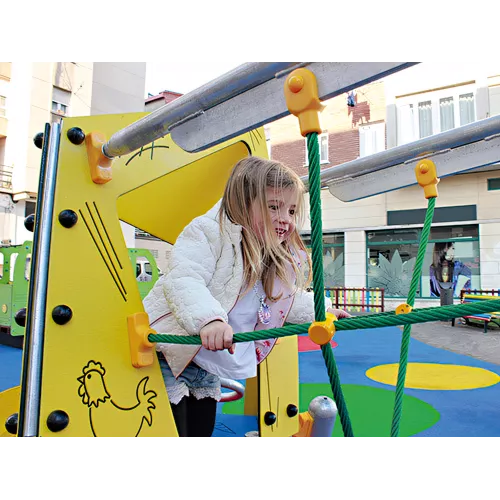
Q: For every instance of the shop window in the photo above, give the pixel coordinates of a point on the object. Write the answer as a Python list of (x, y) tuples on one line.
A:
[(333, 259), (451, 260)]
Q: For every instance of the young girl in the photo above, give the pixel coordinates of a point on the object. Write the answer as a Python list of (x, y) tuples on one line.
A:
[(238, 268)]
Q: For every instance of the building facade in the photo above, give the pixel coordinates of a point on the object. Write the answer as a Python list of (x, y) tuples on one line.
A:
[(32, 94), (373, 242)]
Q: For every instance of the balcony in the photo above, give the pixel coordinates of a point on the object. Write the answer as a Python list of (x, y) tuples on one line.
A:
[(5, 177)]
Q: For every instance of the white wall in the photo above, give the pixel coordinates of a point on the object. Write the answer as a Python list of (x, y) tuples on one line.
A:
[(17, 142), (118, 87), (94, 87), (159, 249), (489, 244), (355, 258)]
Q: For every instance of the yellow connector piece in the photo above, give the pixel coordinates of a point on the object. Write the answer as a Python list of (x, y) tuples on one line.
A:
[(404, 309), (100, 165), (321, 332), (141, 349), (427, 177), (301, 94), (305, 425)]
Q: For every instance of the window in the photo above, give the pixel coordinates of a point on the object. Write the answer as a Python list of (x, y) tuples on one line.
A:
[(371, 139), (3, 105), (391, 256), (333, 258), (323, 149), (430, 113), (29, 208), (27, 267), (60, 103), (424, 119), (446, 113), (467, 108), (59, 109), (493, 184), (143, 269)]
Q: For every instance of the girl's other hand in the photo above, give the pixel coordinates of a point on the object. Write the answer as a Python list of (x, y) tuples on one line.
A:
[(339, 313), (217, 336)]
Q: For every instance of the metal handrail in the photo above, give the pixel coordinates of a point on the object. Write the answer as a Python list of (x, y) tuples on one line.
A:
[(261, 83), (457, 137)]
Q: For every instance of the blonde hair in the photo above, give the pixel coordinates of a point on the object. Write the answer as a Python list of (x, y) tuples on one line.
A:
[(265, 258)]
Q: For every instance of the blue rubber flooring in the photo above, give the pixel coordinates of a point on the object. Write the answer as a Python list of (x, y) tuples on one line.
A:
[(474, 412)]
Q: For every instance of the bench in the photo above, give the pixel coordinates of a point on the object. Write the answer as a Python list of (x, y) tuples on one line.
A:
[(468, 298)]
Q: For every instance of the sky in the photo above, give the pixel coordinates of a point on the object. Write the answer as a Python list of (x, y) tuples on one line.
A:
[(184, 74), (183, 77)]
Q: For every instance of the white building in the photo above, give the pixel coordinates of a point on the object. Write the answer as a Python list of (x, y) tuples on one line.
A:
[(32, 94), (375, 240)]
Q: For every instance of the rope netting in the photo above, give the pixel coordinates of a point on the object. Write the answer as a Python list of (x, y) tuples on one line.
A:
[(369, 321)]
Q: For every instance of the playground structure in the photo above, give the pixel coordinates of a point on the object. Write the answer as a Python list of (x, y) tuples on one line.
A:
[(357, 299), (471, 296), (189, 147), (15, 274)]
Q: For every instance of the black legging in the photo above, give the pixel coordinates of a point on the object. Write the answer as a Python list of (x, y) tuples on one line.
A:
[(195, 417)]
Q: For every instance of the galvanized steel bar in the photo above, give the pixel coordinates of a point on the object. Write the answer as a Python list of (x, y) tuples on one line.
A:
[(241, 100), (36, 315), (324, 412), (447, 146), (158, 123)]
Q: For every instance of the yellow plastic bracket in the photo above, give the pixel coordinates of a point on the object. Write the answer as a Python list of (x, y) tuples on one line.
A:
[(100, 165), (301, 95), (321, 332), (404, 309), (427, 177), (141, 349), (306, 424)]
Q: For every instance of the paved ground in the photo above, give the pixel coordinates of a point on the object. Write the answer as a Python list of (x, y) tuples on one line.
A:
[(461, 339)]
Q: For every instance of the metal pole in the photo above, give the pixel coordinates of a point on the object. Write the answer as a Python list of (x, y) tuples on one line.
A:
[(238, 390), (35, 327), (454, 138), (243, 99), (158, 123), (324, 413)]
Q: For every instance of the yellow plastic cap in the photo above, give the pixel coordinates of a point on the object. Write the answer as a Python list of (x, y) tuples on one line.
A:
[(404, 309), (427, 178), (301, 94), (141, 349), (321, 332)]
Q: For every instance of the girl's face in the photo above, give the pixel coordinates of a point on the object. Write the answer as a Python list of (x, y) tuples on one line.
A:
[(281, 206)]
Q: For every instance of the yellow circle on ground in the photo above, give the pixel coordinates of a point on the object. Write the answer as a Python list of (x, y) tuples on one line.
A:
[(435, 377)]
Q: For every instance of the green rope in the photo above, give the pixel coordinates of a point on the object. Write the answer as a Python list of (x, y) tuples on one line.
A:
[(405, 342), (378, 320), (418, 315), (316, 225), (317, 271)]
